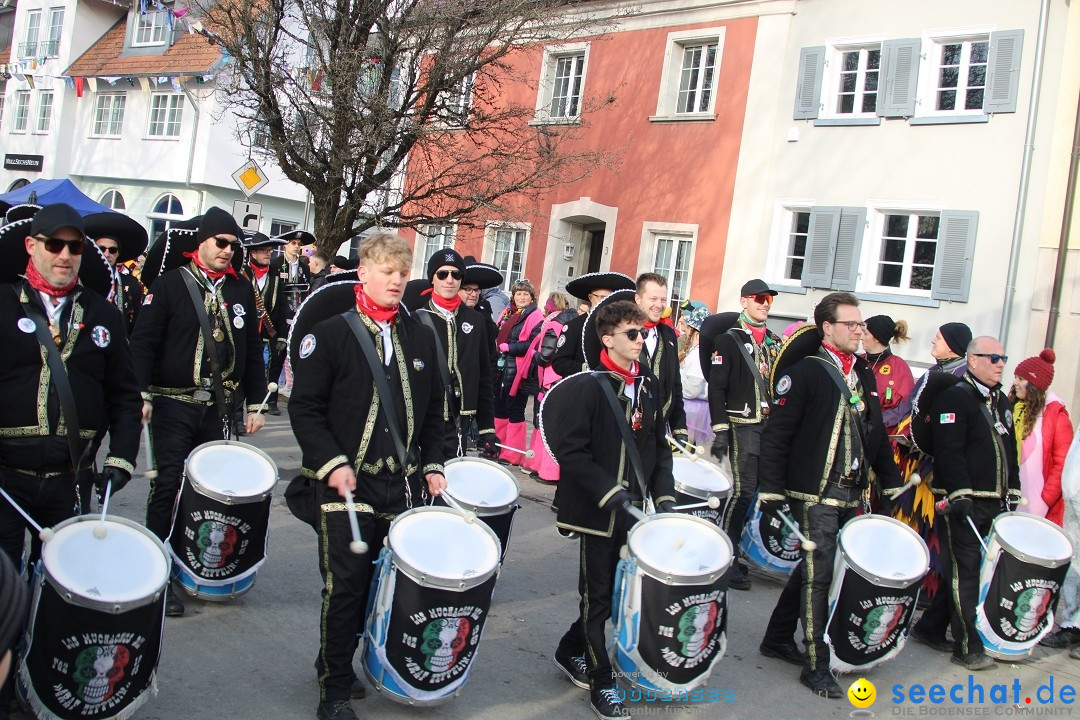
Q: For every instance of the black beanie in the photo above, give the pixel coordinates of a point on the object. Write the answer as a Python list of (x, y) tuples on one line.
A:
[(446, 256), (882, 328), (218, 222), (13, 599), (957, 336)]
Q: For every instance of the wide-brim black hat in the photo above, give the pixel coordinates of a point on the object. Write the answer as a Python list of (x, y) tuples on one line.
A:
[(95, 272), (590, 341), (713, 327), (167, 253), (803, 343), (413, 297), (483, 275), (329, 300), (581, 287), (259, 240), (921, 431), (561, 401), (303, 236), (20, 212), (128, 232), (343, 276)]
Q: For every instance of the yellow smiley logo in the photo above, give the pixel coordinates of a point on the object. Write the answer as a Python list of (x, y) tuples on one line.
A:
[(862, 693)]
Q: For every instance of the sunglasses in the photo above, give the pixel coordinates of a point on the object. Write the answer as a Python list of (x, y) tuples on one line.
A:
[(762, 298), (56, 245), (456, 274), (109, 250), (632, 334), (994, 357), (222, 243)]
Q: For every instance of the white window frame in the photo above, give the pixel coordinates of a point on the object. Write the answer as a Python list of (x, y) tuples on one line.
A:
[(28, 49), (830, 88), (544, 96), (784, 212), (870, 252), (430, 238), (667, 103), (281, 227), (51, 46), (108, 122), (651, 234), (166, 218), (457, 103), (166, 121), (20, 118), (933, 42), (157, 23), (44, 112), (1, 106), (491, 233), (108, 199)]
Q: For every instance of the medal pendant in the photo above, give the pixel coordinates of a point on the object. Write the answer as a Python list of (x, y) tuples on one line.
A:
[(636, 419), (219, 334)]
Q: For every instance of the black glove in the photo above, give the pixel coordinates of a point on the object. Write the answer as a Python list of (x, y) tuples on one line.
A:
[(118, 476), (487, 444), (886, 504), (961, 507), (620, 499), (1012, 501), (665, 506), (719, 445)]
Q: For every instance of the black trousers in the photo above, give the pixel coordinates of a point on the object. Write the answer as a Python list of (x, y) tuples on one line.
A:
[(178, 428), (806, 596), (48, 500), (961, 557), (599, 558), (745, 453), (277, 352)]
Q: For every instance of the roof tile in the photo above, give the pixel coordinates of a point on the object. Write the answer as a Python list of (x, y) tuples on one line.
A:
[(190, 54)]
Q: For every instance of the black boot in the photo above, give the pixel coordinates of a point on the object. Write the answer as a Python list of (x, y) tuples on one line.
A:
[(174, 607), (272, 407), (821, 682)]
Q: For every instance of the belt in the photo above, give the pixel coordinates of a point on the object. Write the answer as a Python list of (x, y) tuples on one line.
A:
[(40, 473), (844, 481)]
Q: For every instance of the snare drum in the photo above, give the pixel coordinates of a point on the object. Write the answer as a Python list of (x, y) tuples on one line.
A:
[(486, 488), (880, 564), (96, 621), (1022, 571), (670, 605), (696, 481), (770, 547), (429, 602), (222, 518)]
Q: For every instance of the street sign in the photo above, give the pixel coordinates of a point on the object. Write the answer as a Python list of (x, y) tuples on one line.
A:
[(247, 214), (250, 178)]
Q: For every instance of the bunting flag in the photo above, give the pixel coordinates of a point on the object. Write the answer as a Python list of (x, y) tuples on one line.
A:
[(78, 87), (30, 81), (92, 84), (69, 81), (176, 85), (144, 83)]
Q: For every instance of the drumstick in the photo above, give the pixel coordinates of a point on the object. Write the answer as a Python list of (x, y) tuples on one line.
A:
[(99, 530), (691, 453), (271, 388), (148, 444), (977, 533), (526, 453), (357, 546), (45, 534), (808, 544), (916, 479), (713, 502), (470, 516)]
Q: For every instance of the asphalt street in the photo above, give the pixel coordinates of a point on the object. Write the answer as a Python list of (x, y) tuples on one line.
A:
[(251, 658)]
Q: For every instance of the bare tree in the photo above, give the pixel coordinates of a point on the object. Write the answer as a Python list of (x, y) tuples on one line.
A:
[(342, 94)]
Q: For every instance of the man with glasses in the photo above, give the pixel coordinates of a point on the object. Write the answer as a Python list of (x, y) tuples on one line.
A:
[(185, 399), (824, 430), (592, 288), (975, 468), (120, 239), (739, 404)]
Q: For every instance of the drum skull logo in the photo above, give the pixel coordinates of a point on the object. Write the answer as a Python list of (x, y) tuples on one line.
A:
[(217, 541), (1031, 607), (696, 626), (443, 641), (880, 623), (98, 669)]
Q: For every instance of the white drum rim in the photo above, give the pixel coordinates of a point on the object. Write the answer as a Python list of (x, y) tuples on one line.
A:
[(870, 575), (484, 510), (422, 577), (670, 578), (686, 488), (75, 598), (1020, 554), (201, 488)]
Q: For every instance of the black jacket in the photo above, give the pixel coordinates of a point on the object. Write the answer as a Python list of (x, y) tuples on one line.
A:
[(570, 357), (296, 280), (467, 349), (737, 391), (129, 299), (665, 366), (273, 301), (970, 456), (806, 428), (98, 361)]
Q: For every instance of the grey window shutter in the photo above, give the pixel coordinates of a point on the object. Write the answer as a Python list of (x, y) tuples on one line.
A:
[(808, 84), (1003, 71), (849, 237), (899, 77), (955, 252), (820, 246)]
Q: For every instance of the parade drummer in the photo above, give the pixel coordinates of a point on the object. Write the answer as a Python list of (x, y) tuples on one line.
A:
[(271, 309), (121, 239), (975, 469), (344, 434), (592, 288), (597, 481), (739, 368), (187, 382), (824, 429)]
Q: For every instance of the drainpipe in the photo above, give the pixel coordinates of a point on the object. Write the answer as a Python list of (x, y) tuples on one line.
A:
[(194, 135), (1025, 174), (1063, 242)]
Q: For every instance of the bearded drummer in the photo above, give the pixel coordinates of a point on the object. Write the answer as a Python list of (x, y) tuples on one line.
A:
[(347, 444), (825, 428)]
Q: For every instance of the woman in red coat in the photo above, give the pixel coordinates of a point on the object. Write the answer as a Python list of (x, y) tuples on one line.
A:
[(894, 380)]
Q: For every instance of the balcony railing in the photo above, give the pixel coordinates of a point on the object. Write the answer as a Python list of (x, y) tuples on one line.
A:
[(28, 49), (49, 48)]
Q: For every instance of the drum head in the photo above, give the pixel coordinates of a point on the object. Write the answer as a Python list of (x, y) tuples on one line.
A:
[(884, 549), (701, 475), (232, 469), (1033, 536), (127, 565), (437, 542), (680, 545), (480, 483)]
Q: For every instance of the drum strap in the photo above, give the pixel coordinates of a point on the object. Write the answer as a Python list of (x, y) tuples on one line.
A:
[(624, 428), (444, 364), (754, 371), (208, 342), (981, 401), (59, 376), (857, 419)]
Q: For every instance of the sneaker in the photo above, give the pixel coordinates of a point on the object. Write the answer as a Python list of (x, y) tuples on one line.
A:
[(174, 607), (335, 710), (737, 579), (939, 643), (575, 668), (973, 661), (821, 682), (607, 704), (1063, 638), (788, 652)]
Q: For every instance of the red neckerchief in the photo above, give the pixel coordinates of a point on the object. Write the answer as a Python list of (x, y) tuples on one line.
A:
[(757, 331), (372, 309), (259, 271), (628, 376), (41, 284), (649, 324), (212, 274), (451, 305), (846, 359)]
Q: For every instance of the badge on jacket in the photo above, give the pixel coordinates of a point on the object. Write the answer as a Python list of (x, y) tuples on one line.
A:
[(101, 336)]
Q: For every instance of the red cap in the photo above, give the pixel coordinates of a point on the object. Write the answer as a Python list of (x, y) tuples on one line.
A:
[(1039, 370)]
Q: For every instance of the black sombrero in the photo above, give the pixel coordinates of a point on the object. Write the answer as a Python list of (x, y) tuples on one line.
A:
[(921, 431), (168, 250), (259, 240), (581, 286), (25, 211), (95, 272), (126, 231), (713, 327), (303, 236), (482, 274), (343, 276), (414, 297), (590, 341), (333, 298), (803, 343)]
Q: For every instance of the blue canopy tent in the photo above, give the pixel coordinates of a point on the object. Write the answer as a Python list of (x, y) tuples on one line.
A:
[(47, 192)]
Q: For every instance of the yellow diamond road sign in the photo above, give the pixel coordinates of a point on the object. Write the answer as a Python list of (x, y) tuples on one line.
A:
[(250, 178)]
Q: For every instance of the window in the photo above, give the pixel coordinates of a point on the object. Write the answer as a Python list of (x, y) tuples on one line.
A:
[(908, 248), (696, 79), (109, 114), (562, 80), (22, 111), (857, 81), (280, 227), (672, 260), (45, 106), (20, 183), (166, 112), (688, 79), (113, 200), (150, 28), (51, 46), (795, 245), (166, 211), (455, 104), (260, 134), (29, 48), (1, 104), (967, 75), (508, 254), (429, 240), (961, 76)]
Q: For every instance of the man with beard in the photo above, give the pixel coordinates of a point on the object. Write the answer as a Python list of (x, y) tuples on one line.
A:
[(270, 306)]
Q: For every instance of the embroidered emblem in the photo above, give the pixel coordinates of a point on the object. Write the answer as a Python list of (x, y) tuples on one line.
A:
[(562, 341), (783, 385), (418, 365), (947, 418), (26, 325), (239, 310), (238, 322), (885, 370), (717, 359), (1008, 417), (101, 336), (147, 299), (466, 328), (450, 258), (307, 345)]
